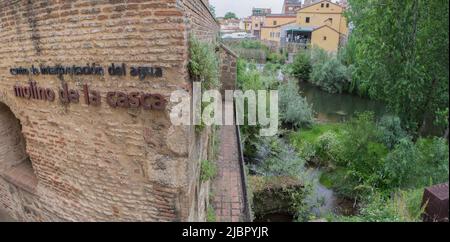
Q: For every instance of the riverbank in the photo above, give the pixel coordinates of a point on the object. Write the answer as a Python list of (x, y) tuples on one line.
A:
[(352, 155)]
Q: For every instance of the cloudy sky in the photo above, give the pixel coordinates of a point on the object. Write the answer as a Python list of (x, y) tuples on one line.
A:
[(243, 8)]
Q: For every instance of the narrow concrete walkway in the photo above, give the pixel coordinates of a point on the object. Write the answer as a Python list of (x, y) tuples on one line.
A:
[(227, 186)]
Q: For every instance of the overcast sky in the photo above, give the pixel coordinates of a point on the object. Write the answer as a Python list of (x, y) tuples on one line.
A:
[(243, 8)]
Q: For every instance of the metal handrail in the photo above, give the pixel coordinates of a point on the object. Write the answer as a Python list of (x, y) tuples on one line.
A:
[(247, 208)]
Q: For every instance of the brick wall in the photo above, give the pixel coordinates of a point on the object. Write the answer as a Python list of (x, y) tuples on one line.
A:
[(103, 163), (201, 22), (228, 69)]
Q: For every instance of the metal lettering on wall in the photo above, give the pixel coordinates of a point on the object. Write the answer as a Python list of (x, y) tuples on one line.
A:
[(90, 69), (115, 99)]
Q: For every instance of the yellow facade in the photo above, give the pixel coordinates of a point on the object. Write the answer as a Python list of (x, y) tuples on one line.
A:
[(273, 33), (271, 30), (326, 38), (324, 13), (278, 19)]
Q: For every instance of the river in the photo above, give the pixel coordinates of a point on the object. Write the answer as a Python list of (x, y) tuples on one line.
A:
[(329, 107), (333, 107)]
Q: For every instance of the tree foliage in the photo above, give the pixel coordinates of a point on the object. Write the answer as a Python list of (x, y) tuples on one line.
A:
[(230, 15), (301, 67), (400, 52)]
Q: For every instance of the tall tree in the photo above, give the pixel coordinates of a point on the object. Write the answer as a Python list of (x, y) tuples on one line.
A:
[(213, 10), (401, 56), (230, 15)]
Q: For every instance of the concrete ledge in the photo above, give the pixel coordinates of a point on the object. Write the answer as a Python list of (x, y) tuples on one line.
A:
[(22, 176)]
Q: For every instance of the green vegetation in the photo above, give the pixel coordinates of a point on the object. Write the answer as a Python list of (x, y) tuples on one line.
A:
[(210, 214), (203, 64), (250, 50), (404, 206), (301, 67), (212, 9), (230, 15), (322, 69), (294, 109), (370, 162), (359, 147), (277, 58), (203, 67), (280, 194), (399, 50), (208, 170), (272, 157), (257, 51), (397, 53)]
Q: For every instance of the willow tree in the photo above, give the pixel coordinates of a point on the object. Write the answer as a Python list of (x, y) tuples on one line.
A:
[(401, 56)]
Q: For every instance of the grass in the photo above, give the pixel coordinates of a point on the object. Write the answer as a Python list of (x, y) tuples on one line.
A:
[(310, 135), (208, 170), (331, 179), (211, 214)]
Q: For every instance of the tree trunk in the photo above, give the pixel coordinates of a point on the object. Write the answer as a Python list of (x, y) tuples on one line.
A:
[(446, 133), (427, 112)]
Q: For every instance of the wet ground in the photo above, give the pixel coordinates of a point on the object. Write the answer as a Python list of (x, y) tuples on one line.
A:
[(327, 200)]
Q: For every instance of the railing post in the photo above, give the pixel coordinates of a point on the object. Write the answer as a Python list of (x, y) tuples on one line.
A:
[(435, 200)]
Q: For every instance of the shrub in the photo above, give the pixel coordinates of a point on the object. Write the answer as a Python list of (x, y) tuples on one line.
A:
[(359, 132), (412, 165), (391, 130), (301, 67), (319, 56), (271, 68), (276, 58), (434, 161), (294, 109), (306, 142), (211, 214), (208, 170), (250, 50), (362, 156), (203, 64), (327, 147), (252, 44), (404, 206), (332, 76), (276, 158), (401, 164)]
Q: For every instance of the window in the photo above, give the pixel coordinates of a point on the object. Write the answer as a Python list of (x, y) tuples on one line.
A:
[(274, 22), (328, 5), (321, 5), (278, 35), (307, 19), (256, 25), (324, 37)]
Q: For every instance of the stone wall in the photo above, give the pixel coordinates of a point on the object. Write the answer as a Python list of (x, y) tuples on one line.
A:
[(99, 163), (228, 69)]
